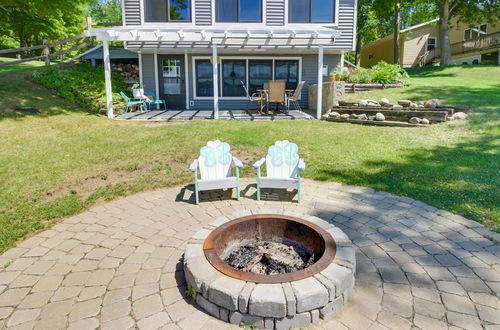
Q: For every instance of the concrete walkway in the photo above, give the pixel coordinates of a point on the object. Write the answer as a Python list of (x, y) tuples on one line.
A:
[(118, 265)]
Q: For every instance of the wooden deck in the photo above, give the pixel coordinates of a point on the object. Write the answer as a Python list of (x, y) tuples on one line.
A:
[(167, 115)]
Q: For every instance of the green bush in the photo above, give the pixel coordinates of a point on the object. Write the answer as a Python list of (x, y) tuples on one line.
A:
[(82, 84), (386, 73), (383, 73)]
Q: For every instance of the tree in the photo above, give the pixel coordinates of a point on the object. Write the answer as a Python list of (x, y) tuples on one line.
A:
[(29, 22), (467, 11), (107, 11)]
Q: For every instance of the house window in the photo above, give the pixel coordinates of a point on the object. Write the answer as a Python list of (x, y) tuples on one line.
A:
[(431, 43), (475, 32), (233, 73), (239, 10), (168, 10), (312, 11), (259, 72), (288, 71), (204, 78)]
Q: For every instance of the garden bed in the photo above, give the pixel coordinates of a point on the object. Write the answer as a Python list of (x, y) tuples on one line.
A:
[(354, 87)]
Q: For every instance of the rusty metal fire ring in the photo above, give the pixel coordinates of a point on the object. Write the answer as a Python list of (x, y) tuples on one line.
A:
[(298, 229)]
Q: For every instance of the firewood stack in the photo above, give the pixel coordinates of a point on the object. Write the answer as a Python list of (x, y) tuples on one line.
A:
[(129, 72)]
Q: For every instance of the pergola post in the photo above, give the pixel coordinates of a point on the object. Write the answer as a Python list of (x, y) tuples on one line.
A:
[(107, 79), (216, 82), (319, 94)]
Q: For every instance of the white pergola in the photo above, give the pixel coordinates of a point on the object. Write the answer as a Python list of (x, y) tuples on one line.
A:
[(214, 37)]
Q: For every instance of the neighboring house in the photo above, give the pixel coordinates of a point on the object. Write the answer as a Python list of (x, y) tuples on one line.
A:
[(419, 45), (196, 53)]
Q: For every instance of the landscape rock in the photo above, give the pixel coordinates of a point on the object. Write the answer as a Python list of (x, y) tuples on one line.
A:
[(413, 105), (383, 101), (363, 103), (420, 103), (397, 106), (460, 115), (344, 116), (371, 117), (353, 116), (334, 114), (379, 116), (362, 117), (404, 103), (425, 121), (373, 104), (414, 120), (421, 106), (433, 103)]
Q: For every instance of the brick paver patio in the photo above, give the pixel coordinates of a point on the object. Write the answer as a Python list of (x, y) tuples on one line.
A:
[(119, 265)]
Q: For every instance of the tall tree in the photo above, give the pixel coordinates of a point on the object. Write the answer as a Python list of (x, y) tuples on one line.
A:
[(106, 11), (369, 26), (467, 11), (28, 22)]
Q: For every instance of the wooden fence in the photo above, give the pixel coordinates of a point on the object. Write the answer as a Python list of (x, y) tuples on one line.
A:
[(57, 47)]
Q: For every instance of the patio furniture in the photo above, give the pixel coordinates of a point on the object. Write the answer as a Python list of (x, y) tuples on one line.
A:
[(294, 97), (276, 92), (129, 103), (214, 163), (258, 97), (283, 167), (154, 101)]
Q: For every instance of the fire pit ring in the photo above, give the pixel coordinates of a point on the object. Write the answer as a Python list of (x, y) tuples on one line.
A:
[(280, 301)]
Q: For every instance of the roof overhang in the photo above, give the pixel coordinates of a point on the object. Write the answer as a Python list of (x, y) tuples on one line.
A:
[(230, 36)]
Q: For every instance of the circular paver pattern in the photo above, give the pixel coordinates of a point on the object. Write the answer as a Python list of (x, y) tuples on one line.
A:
[(284, 305), (119, 265)]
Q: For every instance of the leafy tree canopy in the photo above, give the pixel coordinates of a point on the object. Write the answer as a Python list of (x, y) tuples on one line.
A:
[(107, 11)]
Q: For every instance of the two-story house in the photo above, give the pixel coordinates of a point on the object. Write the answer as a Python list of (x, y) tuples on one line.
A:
[(196, 53)]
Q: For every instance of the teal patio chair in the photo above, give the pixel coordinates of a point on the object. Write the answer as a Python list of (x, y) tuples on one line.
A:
[(130, 103), (214, 163), (283, 167), (154, 101)]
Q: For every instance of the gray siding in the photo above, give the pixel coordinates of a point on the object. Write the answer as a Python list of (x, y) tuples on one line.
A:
[(148, 72), (309, 75), (275, 12), (132, 12), (203, 12), (346, 24)]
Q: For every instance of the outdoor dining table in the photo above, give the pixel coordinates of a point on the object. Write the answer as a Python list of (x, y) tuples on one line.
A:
[(263, 99)]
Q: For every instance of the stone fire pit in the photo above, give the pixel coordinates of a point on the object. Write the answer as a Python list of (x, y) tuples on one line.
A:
[(281, 300)]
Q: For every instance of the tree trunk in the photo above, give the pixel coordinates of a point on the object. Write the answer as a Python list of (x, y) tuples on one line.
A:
[(357, 56), (397, 28), (444, 40)]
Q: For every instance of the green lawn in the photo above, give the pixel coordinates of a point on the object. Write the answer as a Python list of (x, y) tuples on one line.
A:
[(63, 160)]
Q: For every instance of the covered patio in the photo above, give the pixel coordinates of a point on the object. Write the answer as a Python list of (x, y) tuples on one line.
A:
[(167, 115)]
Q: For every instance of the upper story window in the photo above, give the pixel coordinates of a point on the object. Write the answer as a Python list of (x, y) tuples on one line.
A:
[(168, 10), (239, 11), (311, 11), (475, 32)]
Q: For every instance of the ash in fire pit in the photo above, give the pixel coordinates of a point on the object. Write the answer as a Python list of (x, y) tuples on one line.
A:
[(277, 256)]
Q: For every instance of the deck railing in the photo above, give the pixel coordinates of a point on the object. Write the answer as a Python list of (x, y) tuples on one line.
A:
[(488, 41)]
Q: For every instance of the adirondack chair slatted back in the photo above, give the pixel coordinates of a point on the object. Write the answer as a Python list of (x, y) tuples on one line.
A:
[(215, 160), (282, 160), (125, 97)]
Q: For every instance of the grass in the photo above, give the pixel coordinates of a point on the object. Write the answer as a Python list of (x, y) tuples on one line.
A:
[(61, 161)]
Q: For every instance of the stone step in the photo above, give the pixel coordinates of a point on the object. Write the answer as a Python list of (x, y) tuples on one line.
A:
[(434, 116)]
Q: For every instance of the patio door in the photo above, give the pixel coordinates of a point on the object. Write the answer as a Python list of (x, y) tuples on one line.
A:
[(172, 81)]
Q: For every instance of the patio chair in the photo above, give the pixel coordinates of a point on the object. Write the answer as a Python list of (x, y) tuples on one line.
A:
[(294, 98), (129, 103), (255, 97), (276, 92), (214, 163), (154, 101), (283, 167)]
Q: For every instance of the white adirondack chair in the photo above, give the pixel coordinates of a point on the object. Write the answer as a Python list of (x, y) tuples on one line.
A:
[(215, 169), (283, 167)]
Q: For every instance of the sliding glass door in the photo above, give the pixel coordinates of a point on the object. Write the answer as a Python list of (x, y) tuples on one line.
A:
[(259, 72)]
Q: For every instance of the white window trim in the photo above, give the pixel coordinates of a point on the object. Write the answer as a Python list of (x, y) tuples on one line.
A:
[(247, 58), (427, 43), (478, 28), (252, 24), (336, 17)]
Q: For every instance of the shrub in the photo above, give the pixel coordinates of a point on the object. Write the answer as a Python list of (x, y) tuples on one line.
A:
[(82, 84), (386, 73)]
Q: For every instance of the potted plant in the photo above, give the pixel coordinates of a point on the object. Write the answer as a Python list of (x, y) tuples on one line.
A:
[(138, 91), (338, 76), (331, 77)]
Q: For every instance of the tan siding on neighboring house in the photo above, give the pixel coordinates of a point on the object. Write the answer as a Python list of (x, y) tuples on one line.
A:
[(415, 43), (457, 30), (380, 50)]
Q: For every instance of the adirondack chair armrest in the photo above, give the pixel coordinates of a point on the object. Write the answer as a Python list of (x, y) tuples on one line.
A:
[(237, 162), (259, 163), (301, 165), (194, 166)]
